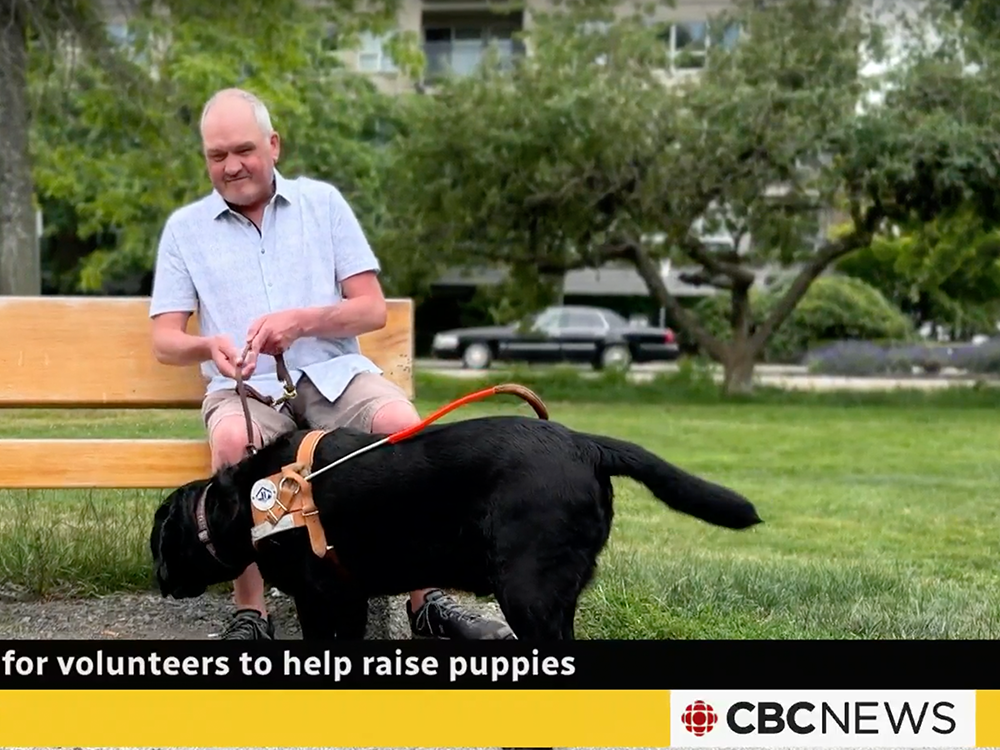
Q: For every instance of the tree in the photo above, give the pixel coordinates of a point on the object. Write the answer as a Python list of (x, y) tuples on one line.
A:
[(941, 262), (983, 15), (19, 272), (21, 23), (115, 140), (581, 155), (945, 273)]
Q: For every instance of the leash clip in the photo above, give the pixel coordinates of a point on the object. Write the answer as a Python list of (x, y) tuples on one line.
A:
[(289, 393)]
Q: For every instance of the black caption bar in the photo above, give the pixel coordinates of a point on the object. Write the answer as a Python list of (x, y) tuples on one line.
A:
[(583, 665)]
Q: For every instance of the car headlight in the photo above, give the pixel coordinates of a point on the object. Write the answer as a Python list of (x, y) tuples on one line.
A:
[(445, 341)]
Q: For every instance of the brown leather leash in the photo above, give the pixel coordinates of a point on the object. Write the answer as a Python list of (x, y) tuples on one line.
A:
[(245, 391)]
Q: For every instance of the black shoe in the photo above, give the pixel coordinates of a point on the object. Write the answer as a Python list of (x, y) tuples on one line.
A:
[(248, 625), (440, 616)]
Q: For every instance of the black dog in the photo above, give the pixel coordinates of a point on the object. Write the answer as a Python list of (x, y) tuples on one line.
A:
[(511, 506)]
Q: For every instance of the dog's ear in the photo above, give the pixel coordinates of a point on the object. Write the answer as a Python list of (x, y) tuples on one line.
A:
[(156, 533), (226, 493), (159, 539), (178, 571)]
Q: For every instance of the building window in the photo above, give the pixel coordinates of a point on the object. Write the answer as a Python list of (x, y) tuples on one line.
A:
[(372, 55), (689, 42), (458, 46)]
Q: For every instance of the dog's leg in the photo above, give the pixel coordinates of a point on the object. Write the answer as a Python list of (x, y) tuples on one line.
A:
[(316, 617), (533, 622), (351, 615), (569, 625), (539, 587), (540, 612), (340, 615)]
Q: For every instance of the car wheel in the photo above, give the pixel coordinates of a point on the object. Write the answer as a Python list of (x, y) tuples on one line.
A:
[(616, 357), (477, 357)]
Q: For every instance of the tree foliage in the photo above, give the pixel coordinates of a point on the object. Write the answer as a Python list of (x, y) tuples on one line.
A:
[(583, 153), (945, 273), (982, 15), (835, 308), (46, 23), (121, 145)]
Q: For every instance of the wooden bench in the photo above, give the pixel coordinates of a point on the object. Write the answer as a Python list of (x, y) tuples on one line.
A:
[(95, 353)]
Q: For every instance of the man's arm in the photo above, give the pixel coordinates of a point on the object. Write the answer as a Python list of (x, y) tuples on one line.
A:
[(363, 307), (362, 310), (174, 300), (173, 345), (172, 303)]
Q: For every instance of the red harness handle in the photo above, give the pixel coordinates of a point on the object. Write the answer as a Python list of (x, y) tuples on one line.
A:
[(518, 390)]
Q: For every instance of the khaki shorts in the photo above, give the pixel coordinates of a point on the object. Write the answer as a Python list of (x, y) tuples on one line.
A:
[(355, 407)]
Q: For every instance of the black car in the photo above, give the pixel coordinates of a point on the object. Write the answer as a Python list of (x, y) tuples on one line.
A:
[(589, 335)]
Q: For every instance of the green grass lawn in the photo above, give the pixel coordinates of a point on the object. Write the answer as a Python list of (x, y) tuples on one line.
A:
[(880, 522)]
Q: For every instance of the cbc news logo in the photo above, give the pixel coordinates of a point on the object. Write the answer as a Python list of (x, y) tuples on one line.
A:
[(863, 718), (699, 718)]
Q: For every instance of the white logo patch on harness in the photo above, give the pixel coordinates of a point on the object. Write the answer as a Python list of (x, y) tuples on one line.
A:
[(263, 495)]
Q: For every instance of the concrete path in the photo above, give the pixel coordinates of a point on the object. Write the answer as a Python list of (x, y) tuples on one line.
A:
[(781, 376)]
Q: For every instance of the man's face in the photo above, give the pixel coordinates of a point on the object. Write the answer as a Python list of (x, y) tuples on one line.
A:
[(240, 157)]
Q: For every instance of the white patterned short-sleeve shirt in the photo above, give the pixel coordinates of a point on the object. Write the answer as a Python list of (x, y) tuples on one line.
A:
[(213, 262)]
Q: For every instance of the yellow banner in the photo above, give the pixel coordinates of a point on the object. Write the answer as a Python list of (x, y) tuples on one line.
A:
[(312, 718), (988, 718), (372, 718)]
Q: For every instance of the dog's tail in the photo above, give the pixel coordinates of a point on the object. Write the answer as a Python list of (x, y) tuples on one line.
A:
[(677, 488)]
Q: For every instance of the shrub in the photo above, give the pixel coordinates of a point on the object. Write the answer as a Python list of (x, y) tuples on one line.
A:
[(979, 360), (852, 358), (835, 308), (868, 358)]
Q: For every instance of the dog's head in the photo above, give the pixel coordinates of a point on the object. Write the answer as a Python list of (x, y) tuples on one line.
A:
[(184, 565)]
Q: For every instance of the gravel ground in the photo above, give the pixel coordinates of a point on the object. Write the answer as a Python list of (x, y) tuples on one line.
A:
[(147, 616)]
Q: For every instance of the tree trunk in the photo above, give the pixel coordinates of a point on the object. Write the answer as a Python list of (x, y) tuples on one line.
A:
[(649, 271), (741, 354), (20, 264), (865, 225), (738, 369)]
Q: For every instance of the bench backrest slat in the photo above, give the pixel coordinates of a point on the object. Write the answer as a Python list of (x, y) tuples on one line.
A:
[(96, 352)]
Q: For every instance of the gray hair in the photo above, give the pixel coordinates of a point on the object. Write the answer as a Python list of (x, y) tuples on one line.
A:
[(260, 113)]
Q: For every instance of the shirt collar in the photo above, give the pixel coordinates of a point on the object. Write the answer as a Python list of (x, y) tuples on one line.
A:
[(284, 189)]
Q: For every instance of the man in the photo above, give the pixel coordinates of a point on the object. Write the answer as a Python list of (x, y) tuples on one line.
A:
[(284, 266)]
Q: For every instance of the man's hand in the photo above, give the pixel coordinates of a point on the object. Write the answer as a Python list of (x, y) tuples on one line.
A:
[(273, 333), (228, 358)]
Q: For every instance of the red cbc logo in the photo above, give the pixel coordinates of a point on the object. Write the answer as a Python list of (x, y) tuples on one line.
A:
[(699, 718)]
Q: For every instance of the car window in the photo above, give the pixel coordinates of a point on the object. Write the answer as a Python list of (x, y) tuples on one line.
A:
[(547, 319), (580, 319), (615, 320)]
